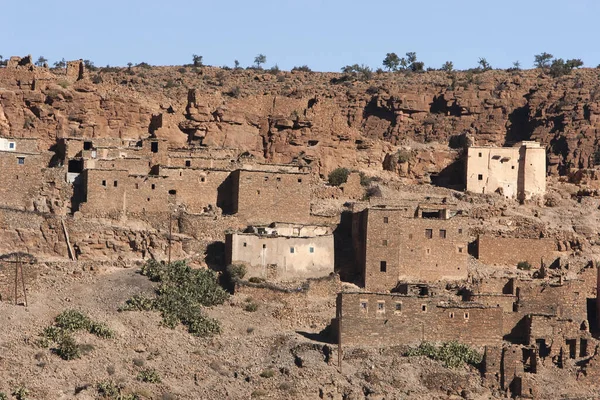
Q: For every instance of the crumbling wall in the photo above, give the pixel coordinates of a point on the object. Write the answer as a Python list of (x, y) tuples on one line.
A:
[(511, 251)]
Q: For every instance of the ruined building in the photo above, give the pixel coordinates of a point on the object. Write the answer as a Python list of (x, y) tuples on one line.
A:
[(516, 172), (419, 244), (282, 251)]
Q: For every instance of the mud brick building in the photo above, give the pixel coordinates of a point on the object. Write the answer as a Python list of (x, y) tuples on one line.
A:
[(282, 251), (263, 196), (422, 244), (517, 172), (511, 251), (373, 319)]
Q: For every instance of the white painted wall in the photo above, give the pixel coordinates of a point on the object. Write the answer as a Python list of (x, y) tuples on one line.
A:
[(7, 145)]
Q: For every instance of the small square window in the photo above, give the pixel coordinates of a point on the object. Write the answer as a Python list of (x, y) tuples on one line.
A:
[(264, 246), (20, 160), (424, 307), (115, 183), (258, 192), (442, 234), (299, 180), (11, 145), (278, 179), (460, 231), (103, 183), (513, 167), (381, 306), (311, 250), (383, 266), (466, 315), (292, 250), (202, 179), (461, 249), (386, 220), (245, 244), (384, 242), (427, 251), (137, 185), (153, 186), (87, 145), (188, 163), (451, 315), (480, 154), (266, 178), (364, 305), (398, 307), (479, 177), (429, 233)]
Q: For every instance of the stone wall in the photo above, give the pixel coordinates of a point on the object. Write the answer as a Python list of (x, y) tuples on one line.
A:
[(265, 197), (368, 319), (22, 178), (511, 251), (411, 249)]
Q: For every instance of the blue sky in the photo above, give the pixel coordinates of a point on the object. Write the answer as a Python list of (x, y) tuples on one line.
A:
[(325, 35)]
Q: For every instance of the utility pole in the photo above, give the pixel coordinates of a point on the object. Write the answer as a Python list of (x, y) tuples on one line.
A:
[(17, 260), (170, 233)]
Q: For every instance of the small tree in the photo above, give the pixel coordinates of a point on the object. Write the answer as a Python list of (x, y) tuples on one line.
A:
[(417, 66), (60, 64), (197, 60), (129, 65), (89, 65), (338, 176), (411, 57), (391, 61), (41, 61), (448, 66), (517, 65), (542, 60), (260, 59), (484, 65), (524, 266), (236, 64), (574, 63)]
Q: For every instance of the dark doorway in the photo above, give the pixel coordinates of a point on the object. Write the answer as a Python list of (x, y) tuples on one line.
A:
[(592, 316), (544, 351), (154, 147), (572, 345), (75, 166)]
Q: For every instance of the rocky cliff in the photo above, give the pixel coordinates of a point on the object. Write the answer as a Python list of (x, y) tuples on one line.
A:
[(405, 122)]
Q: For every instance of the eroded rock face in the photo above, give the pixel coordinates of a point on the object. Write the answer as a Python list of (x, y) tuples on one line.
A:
[(304, 116)]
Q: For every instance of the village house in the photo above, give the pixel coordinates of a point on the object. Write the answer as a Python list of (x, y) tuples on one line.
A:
[(516, 172), (423, 244), (282, 251)]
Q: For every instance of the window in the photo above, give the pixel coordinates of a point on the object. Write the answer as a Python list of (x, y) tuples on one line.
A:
[(442, 234), (383, 266), (137, 185), (266, 178), (202, 179), (311, 250), (513, 167), (479, 177), (87, 145), (154, 147), (188, 163), (278, 179), (11, 145), (410, 235), (461, 250), (364, 306), (115, 183), (424, 307), (245, 244), (427, 251), (460, 231), (172, 192), (451, 315), (299, 180), (429, 233), (381, 306), (103, 183), (292, 250), (20, 160), (264, 246), (258, 192), (398, 307), (386, 220), (466, 315), (153, 186), (480, 155), (384, 242)]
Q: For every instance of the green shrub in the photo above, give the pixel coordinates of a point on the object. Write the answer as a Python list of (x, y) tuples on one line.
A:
[(138, 303), (63, 84), (258, 393), (302, 68), (67, 348), (101, 330), (108, 389), (3, 396), (149, 376), (256, 279), (235, 92), (365, 180), (267, 373), (182, 294), (338, 176), (524, 266), (72, 320), (20, 393), (452, 354), (144, 65), (404, 156), (170, 84), (236, 271), (251, 307)]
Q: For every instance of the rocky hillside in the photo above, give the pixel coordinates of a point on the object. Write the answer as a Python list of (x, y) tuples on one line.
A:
[(325, 119)]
